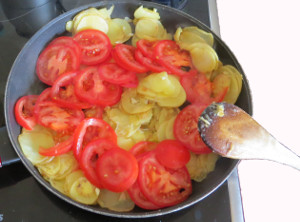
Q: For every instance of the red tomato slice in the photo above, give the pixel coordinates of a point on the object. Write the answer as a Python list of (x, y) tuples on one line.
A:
[(95, 46), (90, 87), (55, 60), (24, 111), (172, 154), (117, 169), (151, 64), (93, 112), (146, 47), (176, 61), (63, 93), (186, 128), (113, 73), (162, 186), (91, 153), (124, 56), (91, 129), (51, 115), (139, 198), (142, 147), (67, 41), (58, 149)]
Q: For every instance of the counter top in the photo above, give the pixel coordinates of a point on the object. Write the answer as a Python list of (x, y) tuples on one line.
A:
[(264, 36)]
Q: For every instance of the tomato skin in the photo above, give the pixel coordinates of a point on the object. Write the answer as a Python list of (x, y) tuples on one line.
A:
[(67, 41), (124, 56), (66, 97), (172, 154), (58, 149), (149, 63), (24, 111), (83, 134), (175, 60), (91, 153), (95, 46), (162, 186), (55, 60), (146, 47), (142, 147), (91, 88), (113, 73), (186, 128), (117, 169)]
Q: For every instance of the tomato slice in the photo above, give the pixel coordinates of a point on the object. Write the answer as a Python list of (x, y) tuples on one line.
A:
[(139, 198), (117, 169), (91, 129), (55, 60), (142, 147), (67, 41), (63, 93), (146, 47), (58, 149), (133, 83), (113, 73), (186, 128), (51, 115), (124, 56), (151, 64), (93, 112), (162, 186), (91, 153), (172, 154), (91, 88), (95, 46), (24, 111), (176, 61)]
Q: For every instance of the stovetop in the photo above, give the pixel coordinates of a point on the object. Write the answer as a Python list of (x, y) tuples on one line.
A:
[(22, 198)]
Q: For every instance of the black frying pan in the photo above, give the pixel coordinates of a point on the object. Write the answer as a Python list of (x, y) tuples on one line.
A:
[(22, 81)]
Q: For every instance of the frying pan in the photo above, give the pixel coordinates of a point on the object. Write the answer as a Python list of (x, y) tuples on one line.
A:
[(22, 80)]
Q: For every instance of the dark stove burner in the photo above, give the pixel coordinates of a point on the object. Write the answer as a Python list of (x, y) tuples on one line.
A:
[(179, 4)]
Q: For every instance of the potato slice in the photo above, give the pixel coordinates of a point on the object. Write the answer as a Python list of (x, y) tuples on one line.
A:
[(58, 185), (50, 169), (119, 31), (119, 202), (141, 13), (150, 29), (172, 101), (31, 140)]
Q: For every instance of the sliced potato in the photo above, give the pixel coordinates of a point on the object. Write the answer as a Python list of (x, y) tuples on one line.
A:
[(119, 31), (172, 101), (50, 169), (119, 202), (58, 184), (150, 29), (141, 13)]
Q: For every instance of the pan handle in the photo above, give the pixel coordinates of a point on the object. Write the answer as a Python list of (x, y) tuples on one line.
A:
[(7, 152)]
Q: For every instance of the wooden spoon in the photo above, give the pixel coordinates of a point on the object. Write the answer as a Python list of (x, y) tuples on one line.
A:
[(231, 132)]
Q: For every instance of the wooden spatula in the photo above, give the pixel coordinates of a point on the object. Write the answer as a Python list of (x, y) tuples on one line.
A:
[(231, 132)]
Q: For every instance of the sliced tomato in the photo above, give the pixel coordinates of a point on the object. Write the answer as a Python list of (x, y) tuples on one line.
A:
[(142, 147), (24, 111), (95, 46), (51, 115), (117, 169), (151, 64), (91, 153), (63, 93), (58, 149), (162, 186), (55, 60), (146, 47), (113, 73), (174, 59), (172, 154), (91, 129), (186, 128), (139, 198), (67, 41), (93, 112), (90, 87), (124, 56)]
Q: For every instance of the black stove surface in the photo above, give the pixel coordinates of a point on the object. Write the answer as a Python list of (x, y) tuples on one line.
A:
[(22, 198)]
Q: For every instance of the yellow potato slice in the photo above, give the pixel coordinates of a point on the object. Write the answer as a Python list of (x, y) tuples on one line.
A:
[(31, 140), (68, 164), (71, 178), (119, 202), (134, 103), (206, 36), (172, 101), (125, 142), (50, 169), (150, 29), (119, 31), (142, 12), (169, 128), (204, 57), (58, 184), (200, 165), (83, 191)]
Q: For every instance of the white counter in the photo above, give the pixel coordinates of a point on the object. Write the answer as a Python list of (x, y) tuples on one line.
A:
[(265, 37)]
